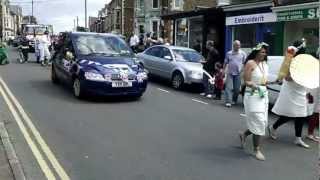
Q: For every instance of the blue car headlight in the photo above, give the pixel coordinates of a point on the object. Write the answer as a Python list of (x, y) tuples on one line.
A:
[(94, 76), (141, 76)]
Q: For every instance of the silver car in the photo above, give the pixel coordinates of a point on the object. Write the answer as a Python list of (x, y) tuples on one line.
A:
[(274, 63), (180, 65)]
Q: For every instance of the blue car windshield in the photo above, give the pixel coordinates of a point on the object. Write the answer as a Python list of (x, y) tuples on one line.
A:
[(187, 55), (101, 45)]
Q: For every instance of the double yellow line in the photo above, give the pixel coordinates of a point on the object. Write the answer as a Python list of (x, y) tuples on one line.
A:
[(24, 122)]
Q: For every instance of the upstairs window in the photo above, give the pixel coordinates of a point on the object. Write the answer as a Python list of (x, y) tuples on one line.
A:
[(155, 4)]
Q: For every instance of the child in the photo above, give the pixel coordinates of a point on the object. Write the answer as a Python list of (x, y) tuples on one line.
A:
[(219, 76), (314, 118)]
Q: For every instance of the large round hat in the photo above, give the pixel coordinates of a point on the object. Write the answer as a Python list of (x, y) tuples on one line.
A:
[(304, 70)]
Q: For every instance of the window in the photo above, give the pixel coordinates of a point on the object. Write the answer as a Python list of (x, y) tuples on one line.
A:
[(141, 29), (155, 4), (141, 4), (155, 27), (165, 52), (182, 32), (176, 4), (249, 40), (156, 51)]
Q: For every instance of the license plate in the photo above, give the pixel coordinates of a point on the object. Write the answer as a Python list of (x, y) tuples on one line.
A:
[(121, 84)]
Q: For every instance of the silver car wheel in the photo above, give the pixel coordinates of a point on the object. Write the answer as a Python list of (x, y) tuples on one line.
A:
[(177, 81)]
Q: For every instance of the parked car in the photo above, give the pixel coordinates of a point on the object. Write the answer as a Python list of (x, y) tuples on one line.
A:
[(98, 64), (274, 63), (180, 65)]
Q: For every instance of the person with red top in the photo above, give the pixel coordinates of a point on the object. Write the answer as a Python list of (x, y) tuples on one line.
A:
[(313, 121), (219, 84)]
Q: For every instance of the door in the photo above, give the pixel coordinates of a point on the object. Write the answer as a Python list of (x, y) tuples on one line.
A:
[(165, 62), (151, 60)]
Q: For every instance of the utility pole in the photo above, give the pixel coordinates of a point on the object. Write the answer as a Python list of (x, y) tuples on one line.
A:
[(85, 7), (31, 9), (77, 21)]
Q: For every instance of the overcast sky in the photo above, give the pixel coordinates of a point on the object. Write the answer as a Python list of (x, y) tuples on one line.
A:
[(60, 13)]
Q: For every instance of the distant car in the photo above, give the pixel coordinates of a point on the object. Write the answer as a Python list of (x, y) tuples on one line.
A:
[(180, 65), (98, 64), (16, 41), (274, 63)]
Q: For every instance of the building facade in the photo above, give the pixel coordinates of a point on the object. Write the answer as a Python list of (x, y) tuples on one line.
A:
[(120, 17), (4, 19), (16, 19)]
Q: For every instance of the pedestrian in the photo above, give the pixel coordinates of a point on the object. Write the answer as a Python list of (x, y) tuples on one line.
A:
[(313, 120), (44, 43), (233, 64), (256, 98), (134, 42), (219, 78), (197, 46), (209, 66), (24, 48), (291, 104), (3, 54)]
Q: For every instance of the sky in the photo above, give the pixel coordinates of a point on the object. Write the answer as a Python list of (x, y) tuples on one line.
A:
[(60, 13)]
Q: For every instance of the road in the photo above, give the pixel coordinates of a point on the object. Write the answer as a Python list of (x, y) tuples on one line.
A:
[(166, 135)]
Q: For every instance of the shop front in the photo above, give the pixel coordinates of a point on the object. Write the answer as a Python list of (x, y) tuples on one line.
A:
[(191, 28), (251, 24), (300, 21)]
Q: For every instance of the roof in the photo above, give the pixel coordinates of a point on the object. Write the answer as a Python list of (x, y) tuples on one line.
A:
[(93, 33)]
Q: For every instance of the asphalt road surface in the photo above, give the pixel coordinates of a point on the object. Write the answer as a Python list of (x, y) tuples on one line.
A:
[(166, 135)]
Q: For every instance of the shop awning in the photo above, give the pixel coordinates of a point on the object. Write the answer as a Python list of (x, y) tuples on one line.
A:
[(297, 12), (197, 12)]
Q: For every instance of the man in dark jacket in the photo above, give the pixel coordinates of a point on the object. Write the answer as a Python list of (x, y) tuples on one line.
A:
[(209, 66)]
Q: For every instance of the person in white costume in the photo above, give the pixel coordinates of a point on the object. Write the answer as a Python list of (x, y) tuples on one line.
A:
[(291, 104), (256, 97), (44, 43)]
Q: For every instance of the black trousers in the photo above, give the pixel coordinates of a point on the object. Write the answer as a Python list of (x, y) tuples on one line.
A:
[(298, 123)]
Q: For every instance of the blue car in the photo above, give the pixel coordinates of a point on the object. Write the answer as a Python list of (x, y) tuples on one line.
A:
[(98, 64)]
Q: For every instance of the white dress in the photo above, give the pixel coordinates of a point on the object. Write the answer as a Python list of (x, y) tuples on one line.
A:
[(256, 107), (292, 100)]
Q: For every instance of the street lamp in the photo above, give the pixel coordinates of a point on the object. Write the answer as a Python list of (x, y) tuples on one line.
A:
[(85, 13)]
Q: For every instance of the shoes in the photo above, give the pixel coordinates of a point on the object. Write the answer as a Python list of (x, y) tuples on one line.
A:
[(233, 103), (259, 156), (272, 132), (313, 138), (209, 96), (242, 140), (202, 94), (228, 104), (300, 143)]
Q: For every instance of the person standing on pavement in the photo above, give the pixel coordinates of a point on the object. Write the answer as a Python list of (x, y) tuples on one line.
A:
[(134, 42), (209, 66), (313, 121), (233, 64), (256, 98), (44, 43), (291, 104)]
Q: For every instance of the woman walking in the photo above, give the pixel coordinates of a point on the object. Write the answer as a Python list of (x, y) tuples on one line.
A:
[(291, 104), (256, 97)]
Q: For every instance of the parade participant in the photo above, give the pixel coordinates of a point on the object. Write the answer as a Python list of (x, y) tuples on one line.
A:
[(292, 101), (256, 98), (24, 48), (232, 65), (313, 121), (134, 42), (44, 43), (209, 67)]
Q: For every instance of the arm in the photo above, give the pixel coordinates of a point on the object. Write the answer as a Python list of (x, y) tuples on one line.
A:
[(248, 68)]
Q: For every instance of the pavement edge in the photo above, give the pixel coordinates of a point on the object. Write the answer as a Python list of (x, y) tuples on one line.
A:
[(14, 162)]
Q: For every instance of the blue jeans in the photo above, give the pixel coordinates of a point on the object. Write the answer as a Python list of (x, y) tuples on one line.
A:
[(233, 84), (208, 89)]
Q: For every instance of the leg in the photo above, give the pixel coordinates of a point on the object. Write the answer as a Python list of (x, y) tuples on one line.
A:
[(282, 120), (205, 84), (257, 148), (298, 125), (228, 89), (243, 137), (312, 124), (236, 88)]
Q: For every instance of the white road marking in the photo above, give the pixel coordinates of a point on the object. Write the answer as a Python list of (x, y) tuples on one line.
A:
[(243, 115), (196, 100), (45, 148), (42, 163), (163, 90)]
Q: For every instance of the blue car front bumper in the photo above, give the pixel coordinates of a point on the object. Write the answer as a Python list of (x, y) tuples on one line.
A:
[(106, 89)]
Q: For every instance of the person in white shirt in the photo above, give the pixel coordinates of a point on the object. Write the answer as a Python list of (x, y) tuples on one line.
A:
[(44, 43), (133, 42)]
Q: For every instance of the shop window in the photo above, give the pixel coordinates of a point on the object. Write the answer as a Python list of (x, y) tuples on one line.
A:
[(246, 34), (312, 39), (141, 29), (182, 32), (195, 28)]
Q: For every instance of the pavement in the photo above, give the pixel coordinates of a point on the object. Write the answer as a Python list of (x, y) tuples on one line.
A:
[(167, 135)]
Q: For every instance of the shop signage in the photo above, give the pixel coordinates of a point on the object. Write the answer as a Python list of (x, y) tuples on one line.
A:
[(299, 14), (251, 19)]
